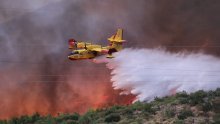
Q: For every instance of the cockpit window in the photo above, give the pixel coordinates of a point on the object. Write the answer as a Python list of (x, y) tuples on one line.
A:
[(70, 54), (74, 52)]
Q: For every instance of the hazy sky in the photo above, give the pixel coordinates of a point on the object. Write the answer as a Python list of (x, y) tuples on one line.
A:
[(11, 9)]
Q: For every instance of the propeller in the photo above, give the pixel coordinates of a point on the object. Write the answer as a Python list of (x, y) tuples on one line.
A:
[(85, 46)]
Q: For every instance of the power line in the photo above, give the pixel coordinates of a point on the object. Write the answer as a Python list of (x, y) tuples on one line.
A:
[(149, 68), (49, 45), (67, 75), (194, 46), (178, 69), (64, 82), (22, 62)]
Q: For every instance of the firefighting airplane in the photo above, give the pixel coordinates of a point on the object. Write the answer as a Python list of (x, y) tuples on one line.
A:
[(84, 50)]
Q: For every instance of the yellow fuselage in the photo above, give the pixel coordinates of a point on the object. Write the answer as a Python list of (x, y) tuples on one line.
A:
[(85, 51)]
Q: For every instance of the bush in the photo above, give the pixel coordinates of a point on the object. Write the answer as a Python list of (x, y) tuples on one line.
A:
[(169, 112), (65, 117), (85, 119), (144, 107), (216, 104), (197, 97), (157, 99), (116, 107), (88, 117), (109, 111), (30, 119), (182, 95), (49, 119), (71, 122), (148, 108), (113, 118), (216, 119), (137, 106), (128, 111), (183, 100), (217, 92), (207, 106), (3, 122), (22, 120), (184, 114), (178, 122), (27, 119), (14, 121)]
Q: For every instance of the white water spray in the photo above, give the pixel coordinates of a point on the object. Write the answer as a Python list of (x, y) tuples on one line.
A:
[(150, 73)]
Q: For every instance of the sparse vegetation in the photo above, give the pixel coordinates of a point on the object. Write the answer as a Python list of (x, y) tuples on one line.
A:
[(174, 109), (112, 118), (169, 112), (184, 114)]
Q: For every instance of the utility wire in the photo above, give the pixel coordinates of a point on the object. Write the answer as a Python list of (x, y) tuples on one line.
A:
[(49, 45), (148, 68)]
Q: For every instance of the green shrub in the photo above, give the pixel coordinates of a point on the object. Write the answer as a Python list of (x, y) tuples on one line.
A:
[(116, 107), (197, 97), (169, 113), (183, 100), (30, 119), (13, 121), (88, 117), (182, 95), (74, 116), (27, 119), (217, 92), (184, 114), (137, 106), (71, 122), (207, 106), (217, 119), (49, 119), (145, 107), (148, 108), (109, 111), (128, 111), (3, 122), (113, 118), (157, 99), (178, 122), (65, 117), (216, 104), (85, 119), (22, 120)]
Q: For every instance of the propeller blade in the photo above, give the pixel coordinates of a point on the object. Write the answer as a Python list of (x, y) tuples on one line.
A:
[(85, 46)]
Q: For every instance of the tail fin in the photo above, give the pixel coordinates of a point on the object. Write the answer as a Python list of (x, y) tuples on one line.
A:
[(116, 43), (118, 37)]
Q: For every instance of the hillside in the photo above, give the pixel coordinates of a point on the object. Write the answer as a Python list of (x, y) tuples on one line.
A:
[(199, 108)]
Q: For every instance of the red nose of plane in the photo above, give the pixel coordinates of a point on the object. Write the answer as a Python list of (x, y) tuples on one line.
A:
[(72, 43), (71, 58)]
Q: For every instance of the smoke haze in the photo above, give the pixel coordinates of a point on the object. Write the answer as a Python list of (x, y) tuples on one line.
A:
[(35, 75)]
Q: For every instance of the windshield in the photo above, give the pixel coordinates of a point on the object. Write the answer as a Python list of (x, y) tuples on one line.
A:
[(74, 52)]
